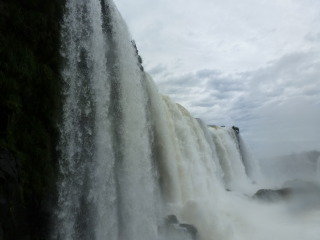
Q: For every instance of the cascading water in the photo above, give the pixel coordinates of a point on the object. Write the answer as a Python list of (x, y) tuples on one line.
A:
[(131, 157), (107, 175)]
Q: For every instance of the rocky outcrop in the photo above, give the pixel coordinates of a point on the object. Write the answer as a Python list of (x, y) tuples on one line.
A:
[(138, 55), (271, 195), (298, 194), (236, 129), (173, 227), (192, 230)]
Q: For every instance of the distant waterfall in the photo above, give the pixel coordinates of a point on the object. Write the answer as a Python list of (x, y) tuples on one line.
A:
[(130, 157)]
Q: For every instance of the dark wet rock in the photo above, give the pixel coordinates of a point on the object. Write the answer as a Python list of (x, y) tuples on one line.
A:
[(192, 230), (174, 228), (8, 165), (236, 129), (299, 195), (138, 56), (4, 119), (272, 195), (9, 179), (171, 219)]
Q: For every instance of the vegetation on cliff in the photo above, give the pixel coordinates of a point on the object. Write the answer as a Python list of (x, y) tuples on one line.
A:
[(29, 108)]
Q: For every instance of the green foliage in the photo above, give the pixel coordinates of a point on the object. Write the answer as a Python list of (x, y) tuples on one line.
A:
[(30, 89)]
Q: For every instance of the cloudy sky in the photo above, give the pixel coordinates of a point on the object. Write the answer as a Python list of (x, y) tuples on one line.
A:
[(250, 63)]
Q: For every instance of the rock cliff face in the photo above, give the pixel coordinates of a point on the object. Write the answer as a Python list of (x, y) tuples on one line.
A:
[(29, 109)]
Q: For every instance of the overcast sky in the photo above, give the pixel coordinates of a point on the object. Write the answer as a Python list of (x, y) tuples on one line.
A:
[(250, 63)]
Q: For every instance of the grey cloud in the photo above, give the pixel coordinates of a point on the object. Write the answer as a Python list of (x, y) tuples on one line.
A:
[(204, 103), (223, 83), (159, 69), (183, 80), (311, 91), (208, 73), (287, 76), (226, 84), (313, 37)]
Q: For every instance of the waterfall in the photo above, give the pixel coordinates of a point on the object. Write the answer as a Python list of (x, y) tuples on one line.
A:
[(105, 138), (129, 157)]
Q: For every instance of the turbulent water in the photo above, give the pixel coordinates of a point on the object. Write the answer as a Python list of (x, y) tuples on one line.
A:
[(130, 157)]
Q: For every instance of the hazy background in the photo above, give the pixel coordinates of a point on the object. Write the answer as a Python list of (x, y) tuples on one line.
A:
[(250, 63)]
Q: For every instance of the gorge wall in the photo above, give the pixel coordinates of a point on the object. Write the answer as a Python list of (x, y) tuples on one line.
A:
[(30, 98)]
